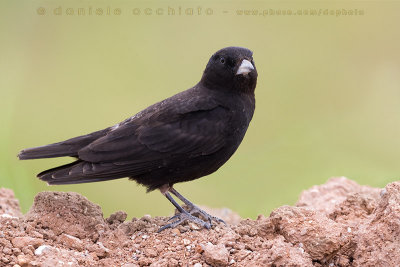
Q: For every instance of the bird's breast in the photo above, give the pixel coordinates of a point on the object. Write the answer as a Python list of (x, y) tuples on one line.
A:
[(241, 113)]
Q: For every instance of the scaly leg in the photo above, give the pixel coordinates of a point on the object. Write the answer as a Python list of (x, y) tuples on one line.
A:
[(182, 216), (193, 209)]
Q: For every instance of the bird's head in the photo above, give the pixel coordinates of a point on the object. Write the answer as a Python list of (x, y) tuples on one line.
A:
[(231, 68)]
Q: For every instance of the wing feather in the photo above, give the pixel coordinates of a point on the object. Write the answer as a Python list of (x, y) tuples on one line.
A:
[(191, 134)]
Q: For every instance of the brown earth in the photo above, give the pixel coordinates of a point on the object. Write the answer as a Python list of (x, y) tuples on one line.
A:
[(339, 223)]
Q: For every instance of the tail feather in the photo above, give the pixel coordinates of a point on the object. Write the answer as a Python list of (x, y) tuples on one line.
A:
[(73, 173), (48, 151), (86, 172), (69, 147)]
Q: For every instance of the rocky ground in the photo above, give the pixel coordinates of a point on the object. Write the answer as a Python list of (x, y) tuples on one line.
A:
[(339, 223)]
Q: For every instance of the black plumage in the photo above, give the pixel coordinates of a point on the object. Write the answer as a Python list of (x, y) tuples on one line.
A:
[(181, 138)]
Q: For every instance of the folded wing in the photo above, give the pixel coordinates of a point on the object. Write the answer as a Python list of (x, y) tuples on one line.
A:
[(136, 147)]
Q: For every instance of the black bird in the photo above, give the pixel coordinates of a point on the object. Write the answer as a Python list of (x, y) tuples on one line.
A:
[(182, 138)]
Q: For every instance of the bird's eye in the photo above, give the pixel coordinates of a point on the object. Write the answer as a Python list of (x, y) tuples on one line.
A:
[(222, 60)]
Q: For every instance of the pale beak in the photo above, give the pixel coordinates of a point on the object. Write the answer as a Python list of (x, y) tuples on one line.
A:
[(245, 67)]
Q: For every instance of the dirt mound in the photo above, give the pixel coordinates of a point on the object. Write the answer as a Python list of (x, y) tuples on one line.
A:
[(339, 223)]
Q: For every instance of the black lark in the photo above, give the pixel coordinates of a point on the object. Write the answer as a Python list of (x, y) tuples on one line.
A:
[(182, 138)]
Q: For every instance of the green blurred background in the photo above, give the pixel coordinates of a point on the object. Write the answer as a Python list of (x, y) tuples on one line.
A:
[(328, 94)]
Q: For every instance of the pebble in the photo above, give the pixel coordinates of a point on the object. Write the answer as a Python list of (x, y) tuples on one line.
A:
[(99, 249), (42, 249), (22, 260), (383, 192), (8, 216), (216, 255), (193, 226), (119, 216), (24, 241), (71, 241), (146, 218), (7, 251), (175, 232), (151, 253)]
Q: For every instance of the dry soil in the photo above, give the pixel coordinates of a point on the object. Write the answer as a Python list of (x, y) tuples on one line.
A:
[(339, 223)]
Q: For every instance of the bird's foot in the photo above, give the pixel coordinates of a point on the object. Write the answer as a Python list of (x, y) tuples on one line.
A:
[(186, 215), (182, 217), (194, 210)]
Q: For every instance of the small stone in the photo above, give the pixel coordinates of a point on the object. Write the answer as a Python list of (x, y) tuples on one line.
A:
[(21, 242), (4, 260), (242, 254), (383, 192), (100, 228), (22, 260), (16, 251), (42, 249), (198, 249), (37, 234), (7, 251), (71, 241), (198, 265), (8, 216), (176, 232), (28, 250), (173, 262), (193, 226), (99, 249), (216, 255), (186, 241), (146, 218), (151, 253), (119, 217)]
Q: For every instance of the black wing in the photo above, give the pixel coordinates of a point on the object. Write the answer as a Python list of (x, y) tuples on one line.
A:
[(191, 134), (140, 145)]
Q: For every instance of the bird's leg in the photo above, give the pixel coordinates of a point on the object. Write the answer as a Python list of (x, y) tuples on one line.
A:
[(182, 216), (193, 209)]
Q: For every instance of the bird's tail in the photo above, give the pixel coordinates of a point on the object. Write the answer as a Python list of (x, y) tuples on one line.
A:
[(78, 172), (48, 151), (81, 171), (69, 147)]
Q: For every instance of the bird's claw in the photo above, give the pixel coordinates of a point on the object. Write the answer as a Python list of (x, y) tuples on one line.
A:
[(196, 210), (183, 217), (173, 217)]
